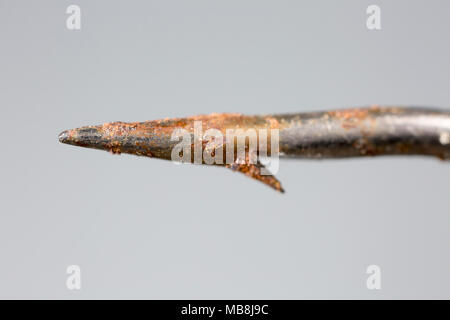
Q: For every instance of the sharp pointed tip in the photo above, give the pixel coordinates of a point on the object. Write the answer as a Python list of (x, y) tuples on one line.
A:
[(63, 136)]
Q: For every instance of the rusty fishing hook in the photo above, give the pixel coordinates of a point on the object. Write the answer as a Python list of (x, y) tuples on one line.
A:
[(357, 132)]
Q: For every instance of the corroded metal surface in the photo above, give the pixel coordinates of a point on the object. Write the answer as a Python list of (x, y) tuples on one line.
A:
[(366, 132), (356, 132)]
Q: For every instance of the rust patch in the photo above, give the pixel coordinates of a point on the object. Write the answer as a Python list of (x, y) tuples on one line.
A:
[(350, 118)]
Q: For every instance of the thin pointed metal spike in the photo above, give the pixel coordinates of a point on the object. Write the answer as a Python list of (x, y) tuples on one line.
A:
[(357, 132)]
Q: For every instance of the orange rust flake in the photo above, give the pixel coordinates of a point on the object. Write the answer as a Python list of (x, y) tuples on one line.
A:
[(348, 114), (115, 148), (118, 128), (273, 123), (351, 118)]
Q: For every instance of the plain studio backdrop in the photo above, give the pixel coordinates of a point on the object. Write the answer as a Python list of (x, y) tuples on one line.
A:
[(146, 228)]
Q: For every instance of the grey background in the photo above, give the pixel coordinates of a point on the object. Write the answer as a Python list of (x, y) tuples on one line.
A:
[(144, 228)]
